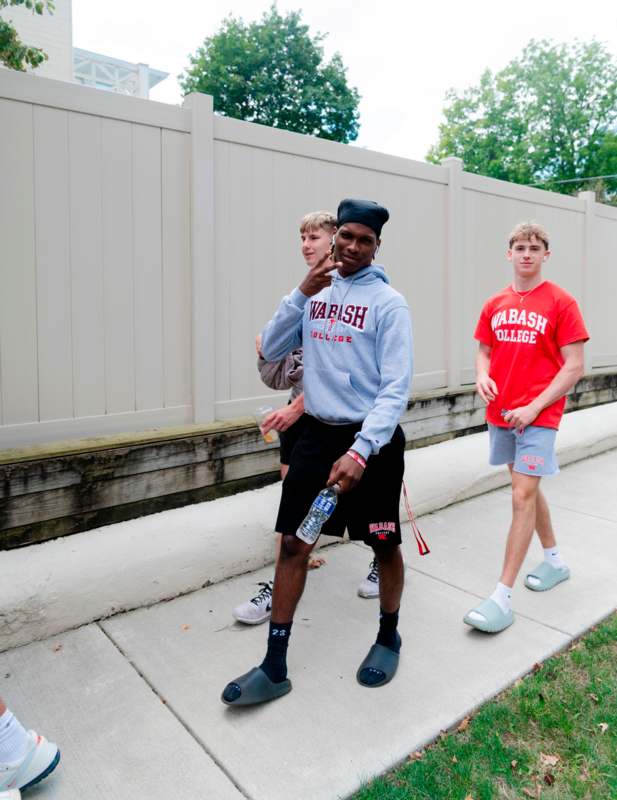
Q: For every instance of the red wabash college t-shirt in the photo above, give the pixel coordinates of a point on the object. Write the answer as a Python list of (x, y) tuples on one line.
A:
[(526, 333)]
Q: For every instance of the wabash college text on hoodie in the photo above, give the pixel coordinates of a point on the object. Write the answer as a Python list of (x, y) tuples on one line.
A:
[(357, 342)]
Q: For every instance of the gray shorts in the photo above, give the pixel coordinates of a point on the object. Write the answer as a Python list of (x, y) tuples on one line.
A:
[(532, 452)]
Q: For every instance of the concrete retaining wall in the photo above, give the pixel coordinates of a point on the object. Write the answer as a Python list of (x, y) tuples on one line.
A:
[(56, 490)]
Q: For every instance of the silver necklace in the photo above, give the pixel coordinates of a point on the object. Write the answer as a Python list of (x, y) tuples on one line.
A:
[(526, 294)]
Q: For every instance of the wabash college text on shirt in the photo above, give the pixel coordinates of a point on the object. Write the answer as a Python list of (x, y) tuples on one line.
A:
[(525, 332)]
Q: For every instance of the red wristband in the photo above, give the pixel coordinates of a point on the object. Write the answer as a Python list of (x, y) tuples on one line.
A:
[(357, 457)]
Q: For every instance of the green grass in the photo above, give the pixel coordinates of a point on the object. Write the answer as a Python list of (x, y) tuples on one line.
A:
[(507, 750)]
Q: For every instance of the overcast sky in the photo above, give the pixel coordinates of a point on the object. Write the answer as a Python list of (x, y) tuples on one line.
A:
[(401, 56)]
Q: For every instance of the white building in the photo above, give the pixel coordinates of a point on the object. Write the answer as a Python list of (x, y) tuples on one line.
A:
[(54, 34), (104, 72)]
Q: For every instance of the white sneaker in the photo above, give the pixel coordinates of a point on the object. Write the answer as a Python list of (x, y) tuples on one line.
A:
[(41, 758), (370, 585), (258, 608), (13, 794)]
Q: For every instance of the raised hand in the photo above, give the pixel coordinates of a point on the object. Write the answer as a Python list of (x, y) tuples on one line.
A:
[(317, 278)]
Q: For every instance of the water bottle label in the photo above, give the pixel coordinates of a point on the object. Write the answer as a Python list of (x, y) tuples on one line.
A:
[(324, 504)]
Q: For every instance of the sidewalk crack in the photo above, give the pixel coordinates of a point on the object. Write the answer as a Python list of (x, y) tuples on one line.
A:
[(583, 513), (193, 734), (481, 597)]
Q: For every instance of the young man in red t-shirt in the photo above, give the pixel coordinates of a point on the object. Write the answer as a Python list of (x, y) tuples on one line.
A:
[(531, 337)]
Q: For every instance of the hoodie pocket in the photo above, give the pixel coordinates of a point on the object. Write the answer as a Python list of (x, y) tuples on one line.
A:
[(331, 397)]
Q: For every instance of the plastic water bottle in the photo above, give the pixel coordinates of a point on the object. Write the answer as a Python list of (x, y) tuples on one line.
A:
[(321, 510)]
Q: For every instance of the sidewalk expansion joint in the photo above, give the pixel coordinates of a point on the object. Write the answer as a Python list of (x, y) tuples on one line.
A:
[(175, 714), (546, 625), (583, 513), (481, 597), (445, 582)]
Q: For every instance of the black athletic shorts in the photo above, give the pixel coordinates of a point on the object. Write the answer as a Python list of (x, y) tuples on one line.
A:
[(289, 438), (370, 511)]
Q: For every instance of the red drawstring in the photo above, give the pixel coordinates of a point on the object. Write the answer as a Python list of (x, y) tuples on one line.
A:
[(423, 548)]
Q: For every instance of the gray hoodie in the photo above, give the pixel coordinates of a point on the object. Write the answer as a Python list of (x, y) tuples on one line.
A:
[(358, 360), (284, 374)]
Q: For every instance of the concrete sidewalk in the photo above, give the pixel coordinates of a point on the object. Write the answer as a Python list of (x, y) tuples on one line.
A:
[(133, 701)]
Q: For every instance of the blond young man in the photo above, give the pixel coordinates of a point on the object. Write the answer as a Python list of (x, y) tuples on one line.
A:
[(316, 232), (531, 337)]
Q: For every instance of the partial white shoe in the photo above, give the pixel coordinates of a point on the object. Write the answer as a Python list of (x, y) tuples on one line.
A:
[(40, 760), (13, 794), (258, 608), (370, 585)]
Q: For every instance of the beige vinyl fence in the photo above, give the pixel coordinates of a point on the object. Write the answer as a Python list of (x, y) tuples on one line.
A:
[(144, 245)]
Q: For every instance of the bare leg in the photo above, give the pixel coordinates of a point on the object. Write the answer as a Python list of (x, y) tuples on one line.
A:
[(289, 578), (544, 526), (524, 504), (279, 537), (2, 707), (391, 577)]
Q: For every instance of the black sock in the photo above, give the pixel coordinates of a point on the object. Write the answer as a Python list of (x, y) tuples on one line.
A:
[(388, 635), (275, 662)]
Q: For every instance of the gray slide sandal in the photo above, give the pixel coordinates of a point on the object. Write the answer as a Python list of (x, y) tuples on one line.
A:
[(253, 687), (380, 659)]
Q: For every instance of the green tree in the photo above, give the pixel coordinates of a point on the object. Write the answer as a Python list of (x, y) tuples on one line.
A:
[(548, 116), (603, 162), (13, 52), (272, 72)]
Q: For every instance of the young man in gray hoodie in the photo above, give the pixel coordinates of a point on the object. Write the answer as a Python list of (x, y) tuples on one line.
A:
[(356, 334)]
